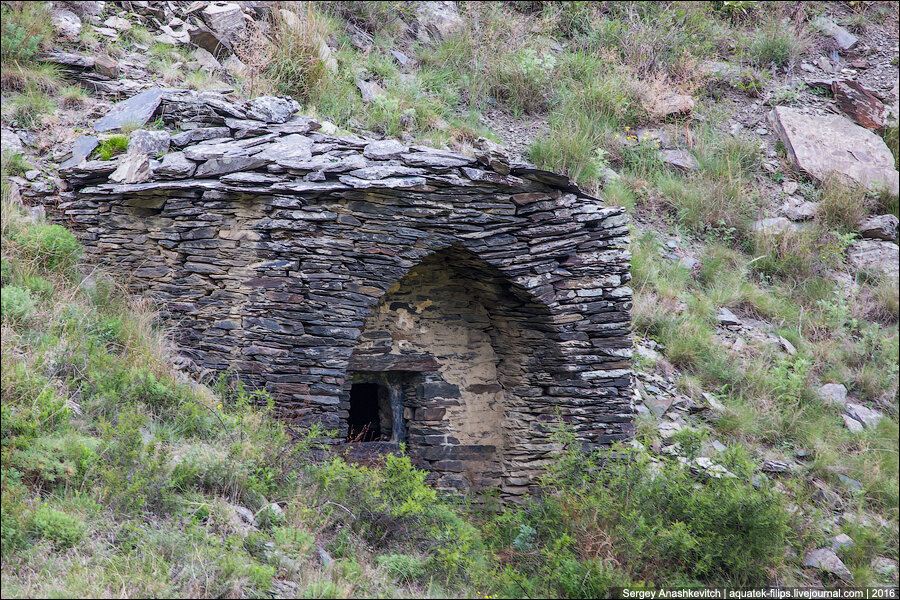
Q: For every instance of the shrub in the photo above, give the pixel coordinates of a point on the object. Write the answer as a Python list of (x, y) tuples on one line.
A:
[(14, 163), (62, 530), (774, 44), (53, 246), (17, 304), (405, 568), (112, 146), (841, 206), (27, 108), (26, 29), (656, 519)]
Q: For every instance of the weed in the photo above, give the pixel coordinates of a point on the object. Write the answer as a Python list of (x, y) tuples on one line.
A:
[(14, 163), (28, 107), (17, 303), (62, 530), (774, 44), (842, 206), (112, 146)]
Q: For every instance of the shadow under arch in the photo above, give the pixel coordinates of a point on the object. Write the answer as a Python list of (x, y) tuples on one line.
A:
[(460, 349)]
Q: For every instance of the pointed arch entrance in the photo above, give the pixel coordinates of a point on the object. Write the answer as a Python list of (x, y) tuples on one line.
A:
[(454, 348)]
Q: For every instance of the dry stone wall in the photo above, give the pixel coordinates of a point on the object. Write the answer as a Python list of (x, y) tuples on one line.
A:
[(491, 297)]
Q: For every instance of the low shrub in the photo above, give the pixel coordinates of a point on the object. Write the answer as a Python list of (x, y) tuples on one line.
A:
[(52, 246), (657, 520), (405, 568), (775, 43), (17, 305), (62, 530)]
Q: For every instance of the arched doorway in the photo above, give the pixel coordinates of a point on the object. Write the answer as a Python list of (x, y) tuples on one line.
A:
[(458, 349)]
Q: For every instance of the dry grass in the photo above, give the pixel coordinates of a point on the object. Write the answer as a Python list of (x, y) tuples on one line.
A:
[(842, 206)]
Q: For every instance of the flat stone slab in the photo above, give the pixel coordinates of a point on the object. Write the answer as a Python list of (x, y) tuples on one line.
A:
[(680, 159), (81, 149), (824, 145), (137, 110)]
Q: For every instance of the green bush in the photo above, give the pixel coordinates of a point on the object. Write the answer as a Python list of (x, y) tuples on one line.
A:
[(52, 246), (16, 304), (62, 530), (405, 568), (774, 44), (26, 28), (658, 519)]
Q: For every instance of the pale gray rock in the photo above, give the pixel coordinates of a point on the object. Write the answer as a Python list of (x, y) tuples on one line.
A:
[(881, 227), (136, 110), (673, 104), (799, 211), (865, 415), (200, 134), (152, 143), (228, 164), (133, 167), (787, 346), (226, 19), (385, 171), (118, 23), (680, 159), (384, 150), (432, 160), (826, 560), (66, 23), (852, 424), (271, 109), (369, 89), (789, 187), (774, 226), (726, 317), (292, 147), (842, 541), (845, 40), (10, 142), (834, 394), (235, 66), (875, 257), (886, 567), (824, 145), (439, 20), (207, 60), (175, 166)]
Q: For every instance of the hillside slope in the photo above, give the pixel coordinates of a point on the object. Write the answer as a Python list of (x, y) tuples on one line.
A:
[(766, 306)]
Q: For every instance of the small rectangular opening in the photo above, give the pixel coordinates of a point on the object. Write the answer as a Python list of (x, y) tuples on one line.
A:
[(370, 413)]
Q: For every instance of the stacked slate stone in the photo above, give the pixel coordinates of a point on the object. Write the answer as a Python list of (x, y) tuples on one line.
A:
[(269, 243)]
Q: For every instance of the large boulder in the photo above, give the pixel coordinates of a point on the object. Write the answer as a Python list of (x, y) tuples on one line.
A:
[(66, 23), (825, 145)]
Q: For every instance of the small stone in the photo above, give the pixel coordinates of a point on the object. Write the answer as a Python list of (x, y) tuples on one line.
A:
[(118, 23), (825, 64), (774, 226), (881, 227), (787, 346), (673, 104), (875, 257), (152, 143), (867, 416), (714, 403), (369, 89), (886, 567), (841, 541), (849, 482), (176, 166), (207, 60), (66, 23), (826, 560), (852, 424), (833, 394), (726, 317), (680, 159), (384, 150), (789, 187), (270, 109), (32, 174), (800, 211), (133, 167)]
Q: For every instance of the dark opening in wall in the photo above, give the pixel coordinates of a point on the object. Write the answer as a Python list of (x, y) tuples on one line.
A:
[(370, 413)]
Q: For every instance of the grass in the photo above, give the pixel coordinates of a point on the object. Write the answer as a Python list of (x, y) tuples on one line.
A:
[(111, 146), (27, 109)]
